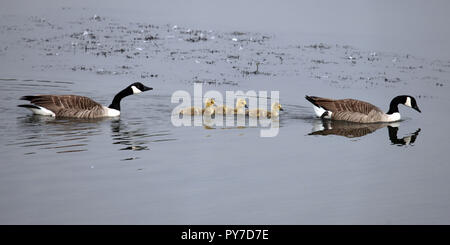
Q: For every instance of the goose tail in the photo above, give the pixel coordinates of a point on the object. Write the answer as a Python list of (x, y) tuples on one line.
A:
[(318, 109), (29, 106), (27, 97), (312, 100), (38, 110)]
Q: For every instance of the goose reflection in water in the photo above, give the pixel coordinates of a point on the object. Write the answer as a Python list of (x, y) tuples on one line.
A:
[(130, 139), (134, 136), (77, 135), (407, 140), (60, 135), (355, 130)]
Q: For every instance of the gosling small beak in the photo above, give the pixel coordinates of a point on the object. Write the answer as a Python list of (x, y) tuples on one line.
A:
[(281, 109), (147, 88), (246, 106)]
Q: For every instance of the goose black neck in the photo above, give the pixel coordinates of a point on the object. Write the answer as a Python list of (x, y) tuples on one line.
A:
[(393, 107), (393, 134), (115, 104)]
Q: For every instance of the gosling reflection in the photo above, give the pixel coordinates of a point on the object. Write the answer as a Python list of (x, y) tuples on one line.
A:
[(223, 122), (355, 130)]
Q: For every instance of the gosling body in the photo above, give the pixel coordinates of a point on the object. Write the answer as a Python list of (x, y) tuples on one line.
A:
[(262, 113)]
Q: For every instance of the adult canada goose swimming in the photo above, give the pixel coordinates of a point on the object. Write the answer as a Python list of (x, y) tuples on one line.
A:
[(359, 111), (74, 106), (275, 109)]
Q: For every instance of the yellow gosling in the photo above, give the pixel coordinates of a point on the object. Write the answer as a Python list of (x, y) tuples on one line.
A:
[(241, 104), (194, 110), (209, 107), (275, 112)]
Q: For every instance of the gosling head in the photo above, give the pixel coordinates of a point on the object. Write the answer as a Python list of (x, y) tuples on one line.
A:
[(276, 106), (209, 102), (240, 103)]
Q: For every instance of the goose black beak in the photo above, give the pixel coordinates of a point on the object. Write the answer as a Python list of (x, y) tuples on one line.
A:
[(417, 109), (147, 88)]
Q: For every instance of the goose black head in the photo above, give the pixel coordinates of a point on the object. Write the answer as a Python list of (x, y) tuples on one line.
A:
[(406, 100), (138, 87), (410, 102), (134, 88)]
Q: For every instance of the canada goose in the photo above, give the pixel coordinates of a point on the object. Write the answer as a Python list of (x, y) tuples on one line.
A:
[(359, 111), (193, 110), (225, 110), (74, 106), (276, 107)]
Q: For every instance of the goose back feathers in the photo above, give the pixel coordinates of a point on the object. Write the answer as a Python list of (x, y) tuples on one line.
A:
[(68, 105)]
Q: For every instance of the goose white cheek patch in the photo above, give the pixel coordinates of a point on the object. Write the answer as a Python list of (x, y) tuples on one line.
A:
[(408, 102), (135, 90)]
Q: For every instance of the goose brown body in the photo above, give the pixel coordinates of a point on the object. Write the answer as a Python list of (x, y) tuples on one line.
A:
[(75, 106), (72, 106), (350, 110)]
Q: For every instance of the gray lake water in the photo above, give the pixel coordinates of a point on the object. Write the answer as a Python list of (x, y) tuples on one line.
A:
[(140, 169)]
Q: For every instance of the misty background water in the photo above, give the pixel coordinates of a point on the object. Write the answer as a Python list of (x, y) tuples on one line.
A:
[(140, 169)]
